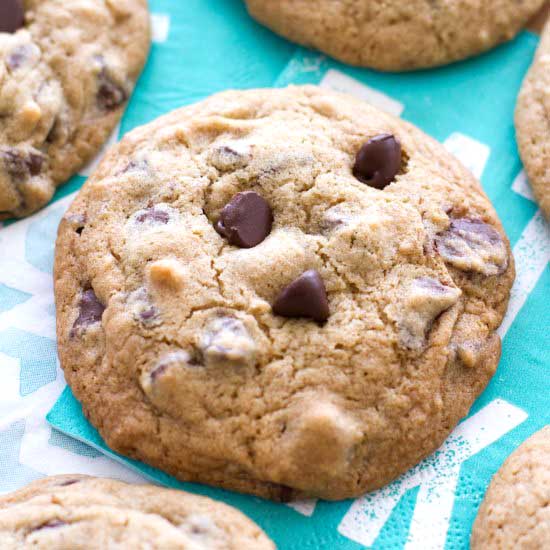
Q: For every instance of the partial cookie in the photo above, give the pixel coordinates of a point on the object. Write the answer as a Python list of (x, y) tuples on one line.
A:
[(515, 513), (396, 35), (282, 292), (67, 69), (75, 511), (533, 123)]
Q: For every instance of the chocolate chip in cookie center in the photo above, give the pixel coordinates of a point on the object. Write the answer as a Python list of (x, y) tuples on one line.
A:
[(306, 296), (246, 220), (378, 161), (12, 15)]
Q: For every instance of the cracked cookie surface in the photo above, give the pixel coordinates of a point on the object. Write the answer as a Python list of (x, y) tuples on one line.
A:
[(70, 511), (515, 513), (326, 359), (65, 76), (533, 123), (396, 35)]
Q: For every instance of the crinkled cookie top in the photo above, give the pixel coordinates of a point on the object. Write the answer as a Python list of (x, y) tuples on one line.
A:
[(281, 292), (75, 511), (67, 68)]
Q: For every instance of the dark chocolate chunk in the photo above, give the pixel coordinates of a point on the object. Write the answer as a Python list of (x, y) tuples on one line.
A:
[(378, 161), (68, 482), (12, 15), (306, 296), (34, 163), (246, 220), (110, 95), (91, 310), (20, 165)]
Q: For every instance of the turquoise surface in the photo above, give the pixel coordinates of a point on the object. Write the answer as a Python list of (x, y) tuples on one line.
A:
[(212, 45)]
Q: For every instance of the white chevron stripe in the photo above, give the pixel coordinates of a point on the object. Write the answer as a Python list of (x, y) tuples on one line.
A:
[(532, 254), (437, 477)]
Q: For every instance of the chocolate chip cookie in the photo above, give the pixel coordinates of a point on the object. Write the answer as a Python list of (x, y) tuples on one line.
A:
[(396, 35), (283, 292), (67, 68), (515, 513), (533, 122), (75, 511)]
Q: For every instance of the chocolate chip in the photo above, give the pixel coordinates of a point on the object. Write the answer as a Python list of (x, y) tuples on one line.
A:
[(227, 342), (68, 482), (110, 95), (21, 165), (153, 215), (473, 245), (378, 161), (15, 165), (91, 311), (12, 15), (416, 306), (18, 56), (51, 525), (34, 163), (231, 156), (135, 166), (246, 220), (139, 303), (433, 285), (148, 314), (159, 371), (306, 296)]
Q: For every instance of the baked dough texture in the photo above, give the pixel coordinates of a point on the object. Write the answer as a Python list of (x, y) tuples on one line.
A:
[(65, 77), (396, 35), (79, 512), (533, 123), (166, 323), (515, 514)]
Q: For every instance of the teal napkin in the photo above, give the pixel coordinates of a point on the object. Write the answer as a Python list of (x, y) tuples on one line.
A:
[(202, 46)]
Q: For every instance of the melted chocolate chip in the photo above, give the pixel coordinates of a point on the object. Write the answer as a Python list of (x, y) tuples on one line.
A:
[(51, 525), (306, 296), (433, 285), (68, 482), (12, 15), (18, 56), (34, 163), (148, 314), (15, 164), (227, 342), (246, 220), (473, 245), (135, 166), (153, 215), (230, 156), (110, 95), (20, 165), (159, 371), (378, 161), (91, 311)]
